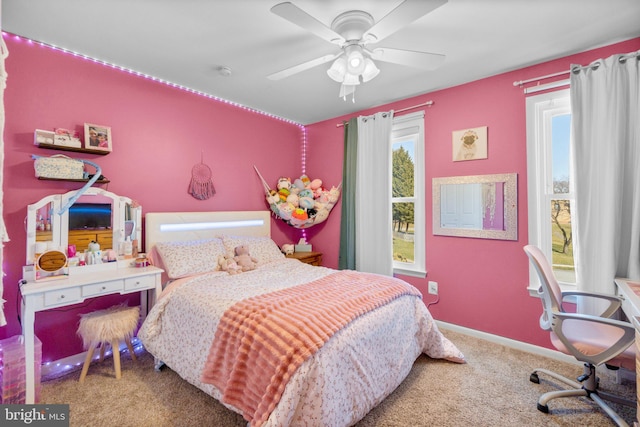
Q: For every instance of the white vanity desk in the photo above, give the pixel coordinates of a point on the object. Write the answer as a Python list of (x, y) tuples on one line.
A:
[(90, 281), (39, 296)]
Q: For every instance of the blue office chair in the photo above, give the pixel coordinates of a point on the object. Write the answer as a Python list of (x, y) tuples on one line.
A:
[(594, 340)]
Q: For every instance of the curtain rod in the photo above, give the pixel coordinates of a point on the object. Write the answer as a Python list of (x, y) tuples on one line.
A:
[(548, 76), (576, 69), (424, 104)]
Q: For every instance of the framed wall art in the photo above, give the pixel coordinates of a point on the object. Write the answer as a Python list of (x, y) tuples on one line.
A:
[(97, 137), (469, 144)]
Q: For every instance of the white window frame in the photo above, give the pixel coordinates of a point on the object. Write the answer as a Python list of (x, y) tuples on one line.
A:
[(540, 109), (404, 127)]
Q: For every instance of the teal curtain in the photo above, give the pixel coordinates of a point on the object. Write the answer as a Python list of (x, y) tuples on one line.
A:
[(347, 256)]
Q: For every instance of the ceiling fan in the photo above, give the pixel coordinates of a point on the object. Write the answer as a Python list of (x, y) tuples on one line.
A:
[(353, 31)]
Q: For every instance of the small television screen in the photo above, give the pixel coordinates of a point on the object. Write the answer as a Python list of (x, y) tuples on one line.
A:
[(89, 216)]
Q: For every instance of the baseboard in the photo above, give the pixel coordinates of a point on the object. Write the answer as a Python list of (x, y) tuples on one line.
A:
[(508, 342), (530, 348)]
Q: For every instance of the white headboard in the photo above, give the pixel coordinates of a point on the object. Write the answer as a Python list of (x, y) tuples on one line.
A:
[(185, 226)]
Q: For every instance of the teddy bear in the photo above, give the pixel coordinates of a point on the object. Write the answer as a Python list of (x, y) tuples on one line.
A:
[(244, 259), (228, 264)]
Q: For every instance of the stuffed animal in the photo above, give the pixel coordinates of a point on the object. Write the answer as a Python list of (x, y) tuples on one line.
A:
[(293, 199), (305, 180), (284, 182), (273, 198), (315, 184), (285, 210), (305, 202), (334, 195), (244, 258), (300, 213), (298, 184), (228, 264), (287, 249), (283, 193)]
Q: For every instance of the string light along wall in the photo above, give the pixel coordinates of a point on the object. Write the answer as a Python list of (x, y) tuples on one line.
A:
[(148, 77), (303, 130)]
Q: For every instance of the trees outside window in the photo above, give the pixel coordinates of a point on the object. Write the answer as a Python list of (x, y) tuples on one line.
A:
[(407, 203), (550, 191)]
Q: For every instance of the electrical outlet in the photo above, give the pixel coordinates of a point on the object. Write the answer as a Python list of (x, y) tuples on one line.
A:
[(433, 288)]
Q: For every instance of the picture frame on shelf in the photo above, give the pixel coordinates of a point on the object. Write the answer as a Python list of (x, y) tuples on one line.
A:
[(43, 137), (97, 137)]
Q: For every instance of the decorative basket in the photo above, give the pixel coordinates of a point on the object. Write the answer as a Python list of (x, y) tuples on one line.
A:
[(58, 166)]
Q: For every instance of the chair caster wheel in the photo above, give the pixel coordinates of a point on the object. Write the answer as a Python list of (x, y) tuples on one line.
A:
[(534, 378), (543, 408)]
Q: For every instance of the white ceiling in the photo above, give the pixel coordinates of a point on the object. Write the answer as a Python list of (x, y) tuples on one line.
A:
[(185, 42)]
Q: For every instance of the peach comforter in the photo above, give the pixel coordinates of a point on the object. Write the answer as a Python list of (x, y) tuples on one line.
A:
[(349, 375)]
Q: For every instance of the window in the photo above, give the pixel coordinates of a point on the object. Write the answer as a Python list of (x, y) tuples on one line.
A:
[(550, 191), (408, 200)]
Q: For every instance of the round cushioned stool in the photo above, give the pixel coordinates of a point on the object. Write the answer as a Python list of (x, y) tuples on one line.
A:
[(112, 325)]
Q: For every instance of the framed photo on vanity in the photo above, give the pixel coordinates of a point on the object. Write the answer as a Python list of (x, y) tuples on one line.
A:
[(97, 137)]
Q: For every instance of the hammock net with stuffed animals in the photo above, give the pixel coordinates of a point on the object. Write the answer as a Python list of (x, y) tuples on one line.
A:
[(301, 203)]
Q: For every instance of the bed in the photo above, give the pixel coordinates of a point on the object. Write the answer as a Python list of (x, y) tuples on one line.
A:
[(274, 365)]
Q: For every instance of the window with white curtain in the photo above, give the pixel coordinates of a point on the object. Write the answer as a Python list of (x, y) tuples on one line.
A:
[(408, 199), (550, 190)]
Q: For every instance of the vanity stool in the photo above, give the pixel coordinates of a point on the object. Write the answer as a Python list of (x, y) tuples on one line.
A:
[(111, 325)]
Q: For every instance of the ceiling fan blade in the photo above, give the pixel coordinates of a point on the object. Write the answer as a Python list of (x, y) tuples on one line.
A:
[(302, 67), (423, 60), (299, 17), (404, 14)]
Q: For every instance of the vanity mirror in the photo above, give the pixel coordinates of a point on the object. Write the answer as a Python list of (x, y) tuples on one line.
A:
[(481, 206), (97, 215)]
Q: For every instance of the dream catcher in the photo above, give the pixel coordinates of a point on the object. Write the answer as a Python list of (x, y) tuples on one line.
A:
[(201, 186)]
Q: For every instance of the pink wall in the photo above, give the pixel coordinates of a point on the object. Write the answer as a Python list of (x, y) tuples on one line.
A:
[(159, 133), (482, 283)]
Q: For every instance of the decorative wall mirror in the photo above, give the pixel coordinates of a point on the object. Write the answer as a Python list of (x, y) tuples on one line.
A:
[(97, 215), (481, 206)]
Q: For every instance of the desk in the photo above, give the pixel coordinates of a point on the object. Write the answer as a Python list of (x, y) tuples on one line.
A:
[(629, 290), (74, 289)]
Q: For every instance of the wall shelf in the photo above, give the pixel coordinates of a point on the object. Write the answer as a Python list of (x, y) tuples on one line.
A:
[(100, 181), (74, 149)]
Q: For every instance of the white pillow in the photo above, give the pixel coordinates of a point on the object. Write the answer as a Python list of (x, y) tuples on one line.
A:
[(181, 259), (262, 248)]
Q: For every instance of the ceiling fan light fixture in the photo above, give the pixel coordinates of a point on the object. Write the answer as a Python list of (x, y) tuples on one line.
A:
[(370, 70), (351, 79), (355, 59), (353, 30), (338, 69)]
